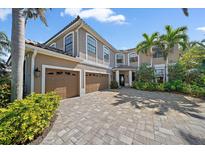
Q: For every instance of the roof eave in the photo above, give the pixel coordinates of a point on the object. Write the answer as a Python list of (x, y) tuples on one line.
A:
[(52, 53)]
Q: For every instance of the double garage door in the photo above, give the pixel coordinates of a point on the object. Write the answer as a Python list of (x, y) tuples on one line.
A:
[(96, 81), (66, 83)]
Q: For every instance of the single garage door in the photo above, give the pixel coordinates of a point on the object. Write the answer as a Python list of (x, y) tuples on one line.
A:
[(63, 82), (96, 81)]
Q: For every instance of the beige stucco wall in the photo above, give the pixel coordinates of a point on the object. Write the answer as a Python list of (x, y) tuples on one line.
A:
[(91, 57), (112, 59), (80, 46), (144, 58), (158, 60), (174, 56), (59, 41), (49, 60), (100, 52), (82, 43)]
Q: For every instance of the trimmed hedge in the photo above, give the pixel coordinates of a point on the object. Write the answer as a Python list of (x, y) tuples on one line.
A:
[(5, 93), (24, 120), (172, 86)]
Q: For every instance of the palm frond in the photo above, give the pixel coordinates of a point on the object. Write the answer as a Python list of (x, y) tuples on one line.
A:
[(5, 43), (154, 36), (185, 11), (142, 47), (34, 13), (180, 30), (146, 36), (168, 29)]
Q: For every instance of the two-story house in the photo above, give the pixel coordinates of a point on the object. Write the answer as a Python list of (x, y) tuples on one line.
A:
[(77, 60)]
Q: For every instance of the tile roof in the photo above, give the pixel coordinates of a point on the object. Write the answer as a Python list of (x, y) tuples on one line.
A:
[(43, 46)]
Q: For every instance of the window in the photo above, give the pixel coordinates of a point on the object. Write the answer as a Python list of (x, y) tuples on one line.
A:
[(159, 72), (119, 58), (157, 53), (91, 44), (69, 44), (53, 45), (133, 58), (106, 54)]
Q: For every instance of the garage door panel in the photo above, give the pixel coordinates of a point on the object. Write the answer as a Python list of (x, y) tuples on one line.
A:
[(96, 81), (64, 83)]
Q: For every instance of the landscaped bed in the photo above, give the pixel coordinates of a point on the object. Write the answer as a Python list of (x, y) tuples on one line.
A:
[(24, 120), (172, 86)]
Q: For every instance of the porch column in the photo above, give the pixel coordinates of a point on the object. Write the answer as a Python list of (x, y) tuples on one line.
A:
[(130, 78), (117, 76)]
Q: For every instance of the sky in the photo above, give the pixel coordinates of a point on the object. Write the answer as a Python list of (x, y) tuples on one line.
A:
[(123, 28)]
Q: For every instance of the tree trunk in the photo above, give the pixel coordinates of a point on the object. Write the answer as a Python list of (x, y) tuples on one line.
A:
[(166, 70), (151, 61), (17, 53)]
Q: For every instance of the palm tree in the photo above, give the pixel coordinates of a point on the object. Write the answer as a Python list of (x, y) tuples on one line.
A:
[(198, 43), (4, 45), (172, 38), (19, 19), (148, 44)]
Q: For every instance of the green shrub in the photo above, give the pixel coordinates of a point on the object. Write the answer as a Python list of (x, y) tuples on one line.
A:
[(194, 90), (145, 73), (144, 85), (25, 119), (160, 87), (176, 85), (172, 86), (5, 92), (176, 72), (114, 85)]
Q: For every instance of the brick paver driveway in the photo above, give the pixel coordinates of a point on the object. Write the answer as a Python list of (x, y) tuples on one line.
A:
[(129, 116)]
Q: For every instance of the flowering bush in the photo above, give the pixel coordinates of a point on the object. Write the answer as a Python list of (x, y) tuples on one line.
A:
[(23, 120)]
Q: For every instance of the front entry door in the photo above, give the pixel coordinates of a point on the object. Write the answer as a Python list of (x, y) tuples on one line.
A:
[(122, 80)]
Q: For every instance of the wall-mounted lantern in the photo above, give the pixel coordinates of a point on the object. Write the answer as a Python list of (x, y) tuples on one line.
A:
[(37, 72)]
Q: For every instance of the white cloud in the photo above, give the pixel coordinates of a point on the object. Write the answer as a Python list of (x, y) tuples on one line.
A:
[(4, 13), (101, 15), (201, 29)]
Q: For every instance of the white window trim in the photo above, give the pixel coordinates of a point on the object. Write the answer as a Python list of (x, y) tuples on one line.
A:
[(53, 44), (72, 42), (116, 58), (86, 55), (160, 66), (128, 60), (108, 53), (43, 77)]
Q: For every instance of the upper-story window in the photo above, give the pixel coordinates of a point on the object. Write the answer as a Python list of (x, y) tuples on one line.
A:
[(157, 53), (53, 45), (91, 44), (133, 58), (106, 54), (69, 44), (120, 59)]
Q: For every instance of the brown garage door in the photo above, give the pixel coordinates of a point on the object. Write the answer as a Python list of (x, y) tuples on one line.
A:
[(65, 83), (96, 81)]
